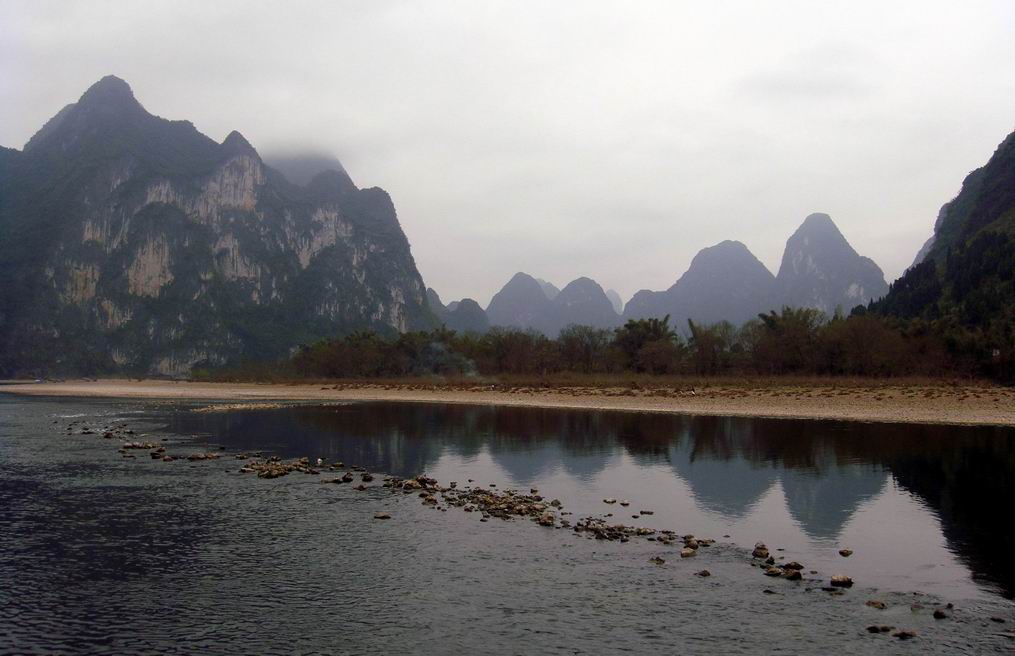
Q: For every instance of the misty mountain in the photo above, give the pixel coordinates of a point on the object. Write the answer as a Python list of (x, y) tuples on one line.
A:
[(464, 316), (301, 168), (725, 282), (128, 241), (966, 273), (523, 303), (549, 288), (821, 270), (618, 303)]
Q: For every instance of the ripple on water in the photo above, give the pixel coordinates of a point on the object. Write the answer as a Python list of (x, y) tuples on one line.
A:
[(99, 555)]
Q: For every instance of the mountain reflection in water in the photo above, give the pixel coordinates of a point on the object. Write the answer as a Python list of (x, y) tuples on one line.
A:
[(826, 471)]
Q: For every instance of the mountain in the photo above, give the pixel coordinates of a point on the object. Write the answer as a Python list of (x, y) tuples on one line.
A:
[(618, 303), (300, 168), (966, 274), (131, 242), (821, 270), (725, 282), (582, 302), (523, 303), (549, 288), (464, 316)]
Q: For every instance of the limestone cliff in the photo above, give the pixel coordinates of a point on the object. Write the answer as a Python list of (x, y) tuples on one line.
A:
[(131, 242)]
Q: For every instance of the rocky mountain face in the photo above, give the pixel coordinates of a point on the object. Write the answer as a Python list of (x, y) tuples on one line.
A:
[(615, 300), (300, 168), (523, 303), (582, 302), (549, 288), (966, 271), (821, 270), (132, 242), (464, 316), (725, 282)]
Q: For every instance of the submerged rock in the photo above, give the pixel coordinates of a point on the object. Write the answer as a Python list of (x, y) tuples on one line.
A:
[(840, 581)]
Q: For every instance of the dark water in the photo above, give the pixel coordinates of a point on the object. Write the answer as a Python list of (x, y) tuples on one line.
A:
[(102, 554)]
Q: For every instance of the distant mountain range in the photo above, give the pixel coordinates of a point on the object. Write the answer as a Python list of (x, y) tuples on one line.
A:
[(128, 241), (131, 242), (464, 316), (725, 282), (526, 302)]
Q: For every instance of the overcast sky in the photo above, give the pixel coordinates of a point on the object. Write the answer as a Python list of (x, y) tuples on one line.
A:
[(607, 139)]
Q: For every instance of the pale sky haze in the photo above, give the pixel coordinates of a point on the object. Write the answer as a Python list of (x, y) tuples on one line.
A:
[(607, 139)]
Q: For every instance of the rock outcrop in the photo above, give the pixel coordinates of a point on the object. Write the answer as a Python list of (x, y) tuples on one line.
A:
[(131, 242), (821, 270)]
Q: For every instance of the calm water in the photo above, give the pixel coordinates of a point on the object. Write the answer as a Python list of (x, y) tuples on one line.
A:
[(102, 554)]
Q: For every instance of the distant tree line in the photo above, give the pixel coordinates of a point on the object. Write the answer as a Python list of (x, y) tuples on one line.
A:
[(792, 341)]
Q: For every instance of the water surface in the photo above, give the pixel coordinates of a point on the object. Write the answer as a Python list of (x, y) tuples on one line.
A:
[(106, 554)]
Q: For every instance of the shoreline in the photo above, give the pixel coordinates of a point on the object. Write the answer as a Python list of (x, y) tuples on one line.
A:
[(974, 404)]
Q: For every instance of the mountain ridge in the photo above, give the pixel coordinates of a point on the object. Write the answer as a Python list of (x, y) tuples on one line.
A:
[(147, 246)]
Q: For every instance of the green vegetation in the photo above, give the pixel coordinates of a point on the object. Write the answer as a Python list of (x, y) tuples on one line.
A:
[(797, 342)]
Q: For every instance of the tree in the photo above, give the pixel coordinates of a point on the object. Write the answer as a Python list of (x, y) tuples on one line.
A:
[(636, 333), (584, 348)]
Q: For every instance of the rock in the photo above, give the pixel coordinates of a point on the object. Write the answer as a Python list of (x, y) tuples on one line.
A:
[(999, 620), (691, 544), (704, 573), (840, 581), (347, 478), (773, 571), (874, 603), (366, 478), (625, 503), (760, 550), (609, 500), (940, 614), (904, 635), (382, 515), (687, 553), (647, 512), (656, 560), (793, 565), (547, 519), (845, 553), (793, 574), (360, 487), (883, 628)]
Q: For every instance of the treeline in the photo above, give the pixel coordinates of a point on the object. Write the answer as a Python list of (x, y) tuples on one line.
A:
[(793, 341)]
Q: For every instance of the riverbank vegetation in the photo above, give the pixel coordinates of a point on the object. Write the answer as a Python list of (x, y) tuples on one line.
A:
[(793, 342)]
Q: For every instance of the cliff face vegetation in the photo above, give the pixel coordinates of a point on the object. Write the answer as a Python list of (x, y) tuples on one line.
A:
[(134, 243), (963, 282)]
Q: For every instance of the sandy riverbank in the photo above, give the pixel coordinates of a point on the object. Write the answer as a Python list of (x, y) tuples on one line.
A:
[(936, 404)]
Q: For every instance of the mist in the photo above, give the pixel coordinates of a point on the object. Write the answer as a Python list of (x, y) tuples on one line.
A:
[(594, 138)]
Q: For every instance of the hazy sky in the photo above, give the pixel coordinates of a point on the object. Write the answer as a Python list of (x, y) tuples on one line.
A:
[(608, 139)]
